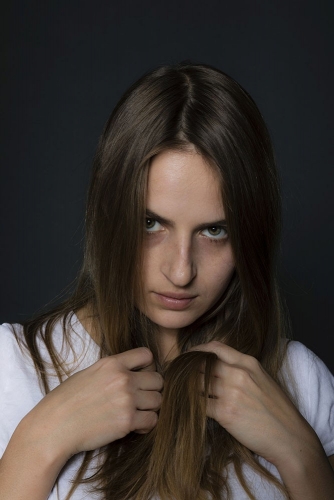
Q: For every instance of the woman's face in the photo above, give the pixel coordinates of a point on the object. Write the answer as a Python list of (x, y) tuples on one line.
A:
[(188, 260)]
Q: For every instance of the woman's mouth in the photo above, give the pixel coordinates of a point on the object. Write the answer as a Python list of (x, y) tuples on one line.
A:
[(174, 301)]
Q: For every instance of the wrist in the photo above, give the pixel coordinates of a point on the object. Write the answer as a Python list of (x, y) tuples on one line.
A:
[(39, 440), (308, 475), (29, 467), (296, 448), (300, 462)]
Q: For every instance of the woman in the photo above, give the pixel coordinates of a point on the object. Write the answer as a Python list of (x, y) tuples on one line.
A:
[(196, 391)]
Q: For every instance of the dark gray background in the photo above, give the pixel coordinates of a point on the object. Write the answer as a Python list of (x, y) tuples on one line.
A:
[(64, 66)]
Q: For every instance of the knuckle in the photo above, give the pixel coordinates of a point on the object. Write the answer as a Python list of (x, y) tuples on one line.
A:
[(252, 363), (148, 420), (127, 407), (147, 353), (216, 343), (107, 367), (123, 380), (158, 400), (151, 419), (110, 363), (128, 422), (160, 379), (119, 384), (127, 403), (240, 376)]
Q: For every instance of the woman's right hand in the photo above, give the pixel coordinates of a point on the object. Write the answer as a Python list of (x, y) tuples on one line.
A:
[(100, 404), (90, 409)]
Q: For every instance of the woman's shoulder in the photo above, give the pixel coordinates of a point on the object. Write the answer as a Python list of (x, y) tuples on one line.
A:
[(305, 365), (20, 390), (13, 351), (312, 387), (69, 340), (20, 384), (306, 370)]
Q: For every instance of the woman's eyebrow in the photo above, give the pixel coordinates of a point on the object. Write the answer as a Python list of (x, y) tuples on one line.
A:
[(168, 222), (220, 222), (157, 217)]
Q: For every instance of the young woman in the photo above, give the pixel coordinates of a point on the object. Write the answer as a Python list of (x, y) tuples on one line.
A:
[(167, 373)]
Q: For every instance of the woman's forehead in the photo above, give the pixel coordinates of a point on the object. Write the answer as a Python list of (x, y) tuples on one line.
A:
[(183, 181)]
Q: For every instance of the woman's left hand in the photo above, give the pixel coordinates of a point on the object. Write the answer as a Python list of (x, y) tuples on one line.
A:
[(250, 405)]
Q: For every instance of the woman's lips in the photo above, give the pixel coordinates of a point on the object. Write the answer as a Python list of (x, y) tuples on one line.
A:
[(174, 301)]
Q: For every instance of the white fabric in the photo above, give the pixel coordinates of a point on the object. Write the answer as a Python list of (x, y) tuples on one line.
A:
[(20, 391)]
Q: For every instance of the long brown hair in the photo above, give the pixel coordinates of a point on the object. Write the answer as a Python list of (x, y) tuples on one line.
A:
[(187, 455)]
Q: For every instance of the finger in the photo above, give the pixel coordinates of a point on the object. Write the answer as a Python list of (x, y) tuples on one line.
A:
[(224, 352), (148, 400), (145, 421), (149, 368), (212, 408), (149, 381), (234, 375), (215, 387), (137, 359)]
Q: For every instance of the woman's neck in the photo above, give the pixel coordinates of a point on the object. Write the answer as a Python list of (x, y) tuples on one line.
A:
[(86, 317)]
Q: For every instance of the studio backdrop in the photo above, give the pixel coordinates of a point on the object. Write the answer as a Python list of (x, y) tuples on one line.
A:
[(65, 65)]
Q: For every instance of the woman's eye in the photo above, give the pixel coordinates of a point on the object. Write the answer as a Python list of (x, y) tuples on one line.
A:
[(152, 225), (215, 232)]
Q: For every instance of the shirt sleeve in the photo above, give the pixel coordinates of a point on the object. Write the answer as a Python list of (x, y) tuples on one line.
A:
[(20, 391), (19, 385), (315, 386)]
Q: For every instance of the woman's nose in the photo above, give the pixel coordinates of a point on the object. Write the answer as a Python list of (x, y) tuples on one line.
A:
[(179, 264)]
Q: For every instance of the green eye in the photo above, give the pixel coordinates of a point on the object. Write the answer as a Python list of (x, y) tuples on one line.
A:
[(216, 232), (149, 223), (152, 225)]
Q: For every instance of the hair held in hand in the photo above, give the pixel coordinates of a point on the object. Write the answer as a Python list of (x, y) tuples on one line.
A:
[(186, 456)]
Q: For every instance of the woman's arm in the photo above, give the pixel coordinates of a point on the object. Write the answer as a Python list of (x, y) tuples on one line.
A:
[(28, 469), (309, 475), (90, 409), (249, 404)]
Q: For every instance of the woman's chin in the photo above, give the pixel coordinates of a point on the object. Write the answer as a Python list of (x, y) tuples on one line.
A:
[(173, 325)]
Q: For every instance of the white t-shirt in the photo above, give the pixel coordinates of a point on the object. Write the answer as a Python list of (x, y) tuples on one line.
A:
[(20, 391)]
